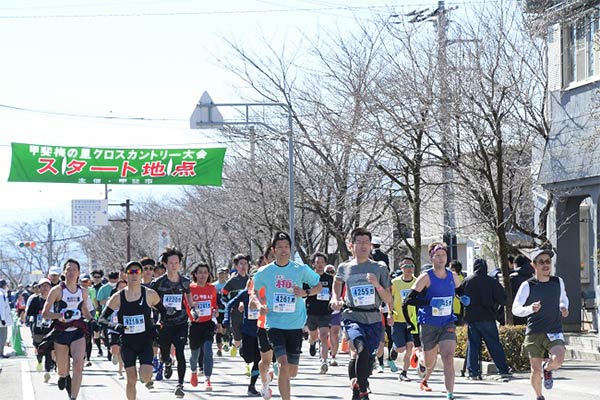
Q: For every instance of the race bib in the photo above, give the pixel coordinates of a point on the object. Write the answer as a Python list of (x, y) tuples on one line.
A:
[(71, 314), (404, 293), (324, 294), (203, 308), (253, 314), (284, 302), (41, 322), (172, 301), (384, 308), (363, 295), (134, 324), (555, 336), (441, 306)]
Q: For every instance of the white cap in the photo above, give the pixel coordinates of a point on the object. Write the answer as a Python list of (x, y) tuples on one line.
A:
[(376, 240), (54, 270), (44, 280)]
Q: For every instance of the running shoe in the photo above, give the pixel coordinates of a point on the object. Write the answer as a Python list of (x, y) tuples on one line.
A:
[(233, 351), (414, 359), (379, 369), (402, 377), (168, 371), (266, 392), (115, 360), (38, 367), (46, 377), (219, 353), (333, 362), (313, 350), (421, 370), (424, 387), (247, 373), (355, 390), (225, 348), (194, 379), (68, 385), (324, 368), (159, 372), (149, 385), (276, 369), (88, 364), (450, 396), (207, 385), (540, 398), (121, 377), (62, 382), (200, 372), (179, 391), (253, 392), (548, 381), (155, 364), (363, 396), (392, 366)]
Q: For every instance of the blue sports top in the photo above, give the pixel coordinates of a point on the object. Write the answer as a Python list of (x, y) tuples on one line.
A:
[(440, 294)]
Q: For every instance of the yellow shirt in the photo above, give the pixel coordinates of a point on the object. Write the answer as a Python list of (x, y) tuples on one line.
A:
[(456, 304), (400, 290)]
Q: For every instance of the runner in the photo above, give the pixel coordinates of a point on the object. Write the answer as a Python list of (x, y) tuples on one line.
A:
[(174, 291), (40, 327), (285, 308), (401, 331), (96, 285), (134, 323), (543, 300), (203, 312), (68, 301), (114, 336), (334, 324), (249, 350), (319, 313), (367, 287), (222, 276), (433, 293), (264, 346), (232, 287)]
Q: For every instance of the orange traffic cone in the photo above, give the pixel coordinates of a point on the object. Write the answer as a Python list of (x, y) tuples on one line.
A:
[(345, 347)]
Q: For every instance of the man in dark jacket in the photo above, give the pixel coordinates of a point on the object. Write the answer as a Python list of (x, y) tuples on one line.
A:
[(486, 296), (522, 272)]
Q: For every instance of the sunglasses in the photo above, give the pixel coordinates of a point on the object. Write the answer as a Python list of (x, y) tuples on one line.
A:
[(408, 266), (96, 277), (148, 268), (133, 271)]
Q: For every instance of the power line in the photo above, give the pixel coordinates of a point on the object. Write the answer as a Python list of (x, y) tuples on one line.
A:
[(94, 116)]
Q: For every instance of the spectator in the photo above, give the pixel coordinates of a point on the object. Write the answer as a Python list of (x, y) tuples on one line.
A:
[(457, 307), (377, 254), (54, 275), (522, 272), (486, 296), (5, 317)]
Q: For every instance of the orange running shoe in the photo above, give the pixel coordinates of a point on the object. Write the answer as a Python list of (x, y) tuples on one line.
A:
[(194, 380), (423, 386)]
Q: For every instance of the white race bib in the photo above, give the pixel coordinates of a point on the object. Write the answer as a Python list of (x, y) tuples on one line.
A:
[(203, 308), (284, 302), (253, 314), (41, 322), (323, 294), (441, 306), (384, 308), (555, 336), (172, 301), (134, 324), (76, 314), (363, 295)]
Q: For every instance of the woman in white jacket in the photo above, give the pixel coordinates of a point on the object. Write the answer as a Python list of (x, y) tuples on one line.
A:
[(5, 317)]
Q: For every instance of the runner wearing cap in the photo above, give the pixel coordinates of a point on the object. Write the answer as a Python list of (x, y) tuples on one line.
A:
[(40, 327), (135, 325), (54, 275), (66, 304), (222, 276), (543, 300)]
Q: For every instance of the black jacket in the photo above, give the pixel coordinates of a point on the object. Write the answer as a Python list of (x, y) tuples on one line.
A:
[(520, 275), (486, 293)]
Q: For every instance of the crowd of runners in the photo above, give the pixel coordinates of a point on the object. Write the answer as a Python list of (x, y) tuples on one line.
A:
[(142, 318)]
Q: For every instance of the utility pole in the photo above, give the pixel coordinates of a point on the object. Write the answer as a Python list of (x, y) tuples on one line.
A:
[(447, 173), (50, 240), (127, 221)]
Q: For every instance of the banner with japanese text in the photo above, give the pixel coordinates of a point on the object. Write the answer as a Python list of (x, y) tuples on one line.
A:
[(66, 164)]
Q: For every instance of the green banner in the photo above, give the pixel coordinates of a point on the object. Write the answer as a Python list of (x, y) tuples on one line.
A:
[(65, 164)]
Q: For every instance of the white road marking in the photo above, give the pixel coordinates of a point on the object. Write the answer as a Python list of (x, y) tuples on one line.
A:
[(26, 381)]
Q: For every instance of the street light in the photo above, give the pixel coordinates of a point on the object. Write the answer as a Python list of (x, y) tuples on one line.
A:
[(206, 115)]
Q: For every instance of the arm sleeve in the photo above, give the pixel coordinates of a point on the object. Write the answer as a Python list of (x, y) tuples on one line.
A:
[(161, 310), (104, 318), (519, 308), (564, 300)]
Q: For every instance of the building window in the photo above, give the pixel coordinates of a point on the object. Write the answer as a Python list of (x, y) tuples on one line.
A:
[(580, 49)]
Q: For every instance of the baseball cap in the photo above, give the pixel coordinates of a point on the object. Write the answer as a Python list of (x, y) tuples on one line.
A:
[(44, 280), (54, 270), (223, 270), (133, 264), (376, 240), (329, 268), (85, 277), (539, 251)]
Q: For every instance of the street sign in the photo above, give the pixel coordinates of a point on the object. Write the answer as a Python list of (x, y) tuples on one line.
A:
[(89, 212)]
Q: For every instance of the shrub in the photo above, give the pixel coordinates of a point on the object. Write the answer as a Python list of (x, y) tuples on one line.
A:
[(511, 337)]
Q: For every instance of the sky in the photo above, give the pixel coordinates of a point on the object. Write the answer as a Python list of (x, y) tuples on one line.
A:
[(66, 60)]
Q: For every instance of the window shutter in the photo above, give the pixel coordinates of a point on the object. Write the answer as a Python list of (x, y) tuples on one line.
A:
[(554, 58)]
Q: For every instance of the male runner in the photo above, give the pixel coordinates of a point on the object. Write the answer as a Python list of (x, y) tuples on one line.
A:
[(285, 307), (367, 287), (174, 291), (69, 303), (135, 324), (543, 300)]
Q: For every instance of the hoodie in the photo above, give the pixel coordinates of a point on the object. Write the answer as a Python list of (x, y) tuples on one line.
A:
[(486, 293)]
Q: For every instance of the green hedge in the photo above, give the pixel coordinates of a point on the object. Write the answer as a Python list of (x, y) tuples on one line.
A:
[(511, 337)]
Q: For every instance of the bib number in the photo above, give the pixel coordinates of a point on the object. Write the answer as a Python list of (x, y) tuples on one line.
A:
[(71, 314), (323, 295), (134, 324), (284, 303), (363, 295), (555, 336), (253, 314), (42, 323), (203, 308), (173, 301), (441, 306)]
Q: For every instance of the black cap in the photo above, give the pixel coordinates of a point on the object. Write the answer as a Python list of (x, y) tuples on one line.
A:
[(133, 264)]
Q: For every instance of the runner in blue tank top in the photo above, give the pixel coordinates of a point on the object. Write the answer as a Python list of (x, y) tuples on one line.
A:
[(433, 293)]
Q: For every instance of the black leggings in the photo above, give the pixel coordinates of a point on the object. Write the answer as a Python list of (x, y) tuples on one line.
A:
[(361, 367), (176, 336)]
